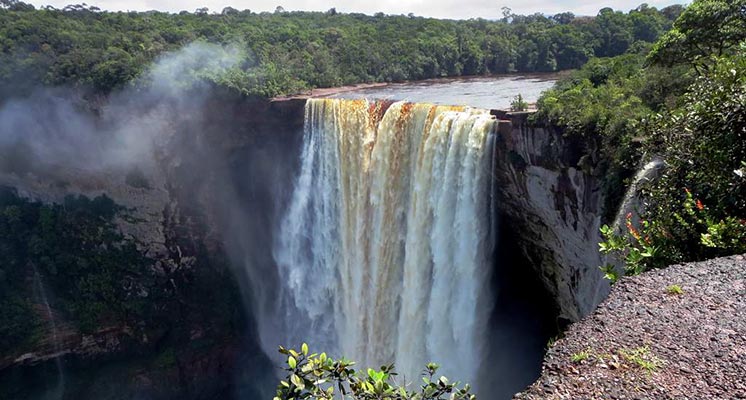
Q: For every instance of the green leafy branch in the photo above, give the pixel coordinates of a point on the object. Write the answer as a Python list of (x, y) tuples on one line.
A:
[(316, 376)]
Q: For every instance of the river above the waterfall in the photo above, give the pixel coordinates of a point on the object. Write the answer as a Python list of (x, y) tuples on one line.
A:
[(492, 92)]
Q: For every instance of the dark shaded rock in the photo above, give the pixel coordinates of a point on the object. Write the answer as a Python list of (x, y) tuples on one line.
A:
[(554, 206)]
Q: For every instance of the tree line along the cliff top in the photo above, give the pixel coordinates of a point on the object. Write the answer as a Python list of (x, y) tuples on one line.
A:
[(291, 51)]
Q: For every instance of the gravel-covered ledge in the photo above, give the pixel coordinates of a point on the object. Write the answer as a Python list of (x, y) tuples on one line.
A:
[(650, 340)]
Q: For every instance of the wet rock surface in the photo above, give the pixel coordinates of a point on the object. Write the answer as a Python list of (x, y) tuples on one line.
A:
[(553, 205), (676, 333)]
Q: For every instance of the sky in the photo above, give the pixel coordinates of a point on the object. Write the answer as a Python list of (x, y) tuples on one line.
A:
[(456, 9)]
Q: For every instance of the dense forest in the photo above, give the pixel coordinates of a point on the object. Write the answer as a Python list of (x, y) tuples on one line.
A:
[(682, 100), (285, 52), (648, 84)]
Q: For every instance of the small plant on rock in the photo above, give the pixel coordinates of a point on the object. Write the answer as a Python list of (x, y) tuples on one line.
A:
[(674, 289), (553, 340), (643, 358), (518, 104), (580, 356)]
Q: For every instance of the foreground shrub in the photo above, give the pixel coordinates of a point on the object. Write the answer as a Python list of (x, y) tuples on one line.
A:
[(692, 232), (316, 376)]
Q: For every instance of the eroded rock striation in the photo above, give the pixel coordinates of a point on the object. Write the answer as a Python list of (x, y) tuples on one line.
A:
[(550, 195)]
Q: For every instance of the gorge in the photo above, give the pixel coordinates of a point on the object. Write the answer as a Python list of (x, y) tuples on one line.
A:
[(431, 189), (183, 192)]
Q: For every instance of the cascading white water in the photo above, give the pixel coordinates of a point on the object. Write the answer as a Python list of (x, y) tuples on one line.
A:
[(631, 205), (384, 250), (40, 294)]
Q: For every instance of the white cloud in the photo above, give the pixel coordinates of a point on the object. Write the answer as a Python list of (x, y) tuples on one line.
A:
[(489, 9)]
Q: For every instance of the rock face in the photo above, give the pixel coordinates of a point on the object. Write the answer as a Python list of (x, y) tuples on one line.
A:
[(146, 220), (221, 169), (553, 204), (675, 333)]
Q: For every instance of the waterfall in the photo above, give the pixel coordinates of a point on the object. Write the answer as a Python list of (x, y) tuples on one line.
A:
[(631, 204), (40, 294), (384, 251), (648, 173)]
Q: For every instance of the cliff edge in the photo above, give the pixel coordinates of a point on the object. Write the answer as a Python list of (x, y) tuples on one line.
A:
[(676, 333)]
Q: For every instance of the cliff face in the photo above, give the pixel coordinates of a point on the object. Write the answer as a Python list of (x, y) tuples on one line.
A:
[(204, 214), (204, 205), (146, 219), (550, 198)]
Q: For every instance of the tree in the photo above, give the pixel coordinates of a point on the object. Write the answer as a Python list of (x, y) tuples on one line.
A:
[(507, 14), (318, 377), (563, 18), (647, 23), (706, 28), (697, 208), (15, 5), (705, 139), (229, 11), (672, 12), (293, 51), (572, 50), (616, 33), (518, 104)]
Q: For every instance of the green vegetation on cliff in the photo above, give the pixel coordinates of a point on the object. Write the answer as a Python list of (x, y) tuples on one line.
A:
[(683, 100), (94, 277), (289, 51)]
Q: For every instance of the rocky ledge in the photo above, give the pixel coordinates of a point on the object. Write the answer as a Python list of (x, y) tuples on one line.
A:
[(677, 333)]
